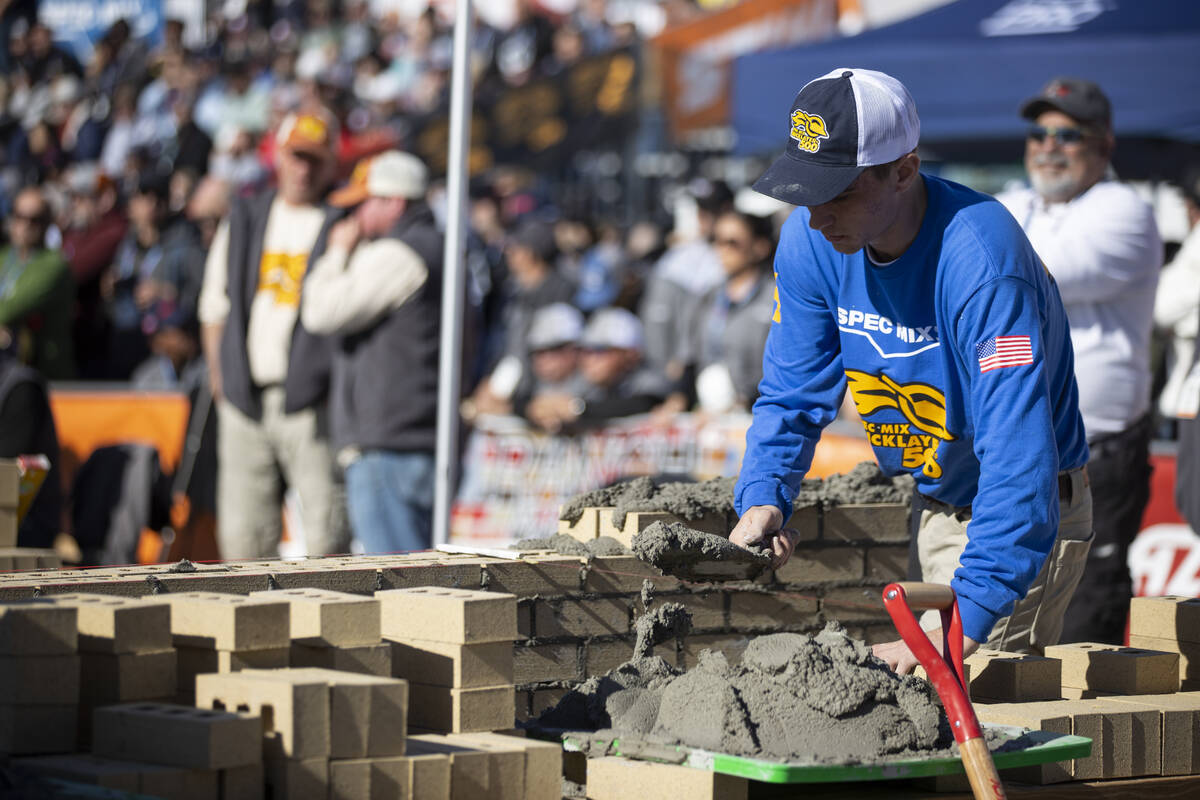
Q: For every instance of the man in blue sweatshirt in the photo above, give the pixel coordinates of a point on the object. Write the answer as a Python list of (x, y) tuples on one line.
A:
[(926, 300)]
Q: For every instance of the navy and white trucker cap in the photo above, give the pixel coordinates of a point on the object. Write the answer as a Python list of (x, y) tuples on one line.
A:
[(840, 124)]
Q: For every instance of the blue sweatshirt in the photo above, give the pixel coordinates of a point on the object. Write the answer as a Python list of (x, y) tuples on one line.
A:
[(958, 358)]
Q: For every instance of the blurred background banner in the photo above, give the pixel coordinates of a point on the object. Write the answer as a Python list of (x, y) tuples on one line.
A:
[(78, 24)]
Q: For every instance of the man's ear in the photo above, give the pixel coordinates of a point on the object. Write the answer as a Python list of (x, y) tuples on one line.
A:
[(907, 169)]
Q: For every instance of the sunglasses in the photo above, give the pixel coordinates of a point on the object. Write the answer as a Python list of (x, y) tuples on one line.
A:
[(736, 244), (1038, 133)]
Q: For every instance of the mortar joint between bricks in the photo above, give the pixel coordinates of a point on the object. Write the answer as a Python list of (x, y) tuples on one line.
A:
[(379, 584), (272, 583), (156, 586), (485, 577)]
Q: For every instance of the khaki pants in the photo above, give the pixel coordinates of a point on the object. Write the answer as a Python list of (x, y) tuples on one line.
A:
[(1037, 620), (254, 461)]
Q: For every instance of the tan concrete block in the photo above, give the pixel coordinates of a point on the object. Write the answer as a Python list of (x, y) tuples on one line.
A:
[(385, 778), (28, 558), (1180, 728), (543, 576), (36, 729), (436, 708), (367, 713), (542, 762), (39, 680), (1171, 617), (182, 736), (586, 528), (368, 659), (297, 778), (775, 609), (10, 483), (582, 618), (506, 766), (620, 779), (818, 563), (324, 617), (8, 527), (853, 604), (174, 782), (430, 776), (227, 621), (1144, 730), (37, 627), (806, 520), (86, 768), (708, 609), (456, 616), (114, 624), (600, 657), (1111, 668), (122, 677), (1189, 653), (865, 522), (470, 768), (463, 666), (624, 575), (1050, 716), (294, 708), (241, 783), (193, 661), (1014, 677)]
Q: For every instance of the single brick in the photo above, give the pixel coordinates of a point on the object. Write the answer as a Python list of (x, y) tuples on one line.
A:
[(612, 778), (1014, 677), (323, 617), (600, 657), (887, 563), (506, 765), (114, 624), (806, 521), (877, 522), (294, 709), (1111, 668), (1171, 617), (241, 783), (39, 680), (542, 762), (430, 776), (367, 659), (1189, 653), (122, 677), (193, 661), (775, 610), (586, 528), (296, 778), (708, 609), (538, 663), (227, 621), (180, 736), (545, 576), (455, 616), (581, 618), (731, 644), (436, 708), (853, 603), (1137, 738), (625, 575), (37, 627), (27, 730), (465, 666), (385, 778), (822, 564), (367, 714), (469, 767)]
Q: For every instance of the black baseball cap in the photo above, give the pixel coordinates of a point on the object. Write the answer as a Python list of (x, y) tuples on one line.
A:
[(1079, 99)]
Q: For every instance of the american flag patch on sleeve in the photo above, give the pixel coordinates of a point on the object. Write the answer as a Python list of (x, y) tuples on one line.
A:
[(1004, 351)]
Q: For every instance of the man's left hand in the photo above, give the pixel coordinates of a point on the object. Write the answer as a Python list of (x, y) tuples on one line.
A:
[(900, 658), (344, 234)]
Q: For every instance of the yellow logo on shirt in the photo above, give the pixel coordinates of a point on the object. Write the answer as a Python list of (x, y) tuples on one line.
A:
[(808, 130), (775, 317), (924, 408), (281, 274)]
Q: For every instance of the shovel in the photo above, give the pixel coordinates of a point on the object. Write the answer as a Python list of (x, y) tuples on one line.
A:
[(946, 674)]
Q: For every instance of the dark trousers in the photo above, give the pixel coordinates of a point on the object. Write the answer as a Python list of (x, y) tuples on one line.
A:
[(1119, 468)]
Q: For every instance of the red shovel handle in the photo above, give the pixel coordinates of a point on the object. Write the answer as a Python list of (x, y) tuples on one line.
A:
[(945, 673)]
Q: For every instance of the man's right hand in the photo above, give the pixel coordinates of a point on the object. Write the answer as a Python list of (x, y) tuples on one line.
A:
[(765, 524)]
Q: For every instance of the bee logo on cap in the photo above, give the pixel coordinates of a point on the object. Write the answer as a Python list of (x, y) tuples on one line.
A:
[(808, 130)]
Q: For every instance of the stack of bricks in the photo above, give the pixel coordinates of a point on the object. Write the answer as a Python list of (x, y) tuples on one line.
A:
[(334, 630), (39, 678), (324, 732), (218, 633), (491, 766), (163, 750), (125, 652), (455, 648), (1170, 624), (11, 556)]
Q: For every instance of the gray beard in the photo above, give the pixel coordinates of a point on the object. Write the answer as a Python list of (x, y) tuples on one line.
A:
[(1054, 190)]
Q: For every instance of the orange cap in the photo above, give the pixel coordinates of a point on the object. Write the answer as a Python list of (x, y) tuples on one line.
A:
[(308, 132), (355, 190)]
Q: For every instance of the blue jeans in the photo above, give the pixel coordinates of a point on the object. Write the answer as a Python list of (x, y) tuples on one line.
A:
[(389, 496)]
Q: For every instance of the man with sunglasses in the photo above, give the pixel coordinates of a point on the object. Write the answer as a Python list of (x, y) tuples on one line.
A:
[(1099, 241)]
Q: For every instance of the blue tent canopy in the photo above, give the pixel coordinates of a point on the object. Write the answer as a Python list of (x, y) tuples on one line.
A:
[(970, 64)]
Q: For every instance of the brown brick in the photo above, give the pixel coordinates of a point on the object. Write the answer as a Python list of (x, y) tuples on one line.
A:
[(32, 730), (620, 779), (1137, 738), (367, 713), (297, 778), (546, 576), (600, 657), (465, 666), (542, 763), (538, 663), (806, 520), (430, 776), (1111, 668), (887, 563), (625, 575), (226, 621), (455, 616), (367, 659), (181, 736), (294, 709), (241, 783), (109, 624), (324, 617), (1014, 677), (39, 680), (1169, 617), (774, 610), (707, 609), (37, 628), (882, 522), (122, 677), (854, 604), (193, 661), (469, 768), (436, 708), (581, 618), (818, 564), (732, 645), (506, 765)]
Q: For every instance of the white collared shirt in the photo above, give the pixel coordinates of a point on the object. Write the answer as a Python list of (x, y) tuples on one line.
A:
[(1104, 251)]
